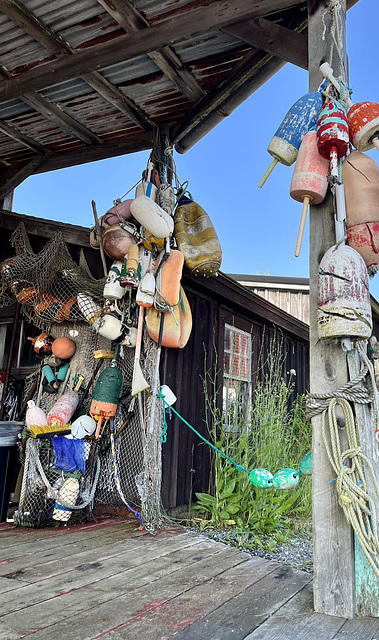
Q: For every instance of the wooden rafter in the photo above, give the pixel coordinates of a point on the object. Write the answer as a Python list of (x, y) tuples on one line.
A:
[(272, 38), (55, 44), (27, 170), (52, 112), (211, 17), (130, 19), (25, 140)]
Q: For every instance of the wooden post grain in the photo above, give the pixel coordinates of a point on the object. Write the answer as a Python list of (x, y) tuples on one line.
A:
[(334, 582)]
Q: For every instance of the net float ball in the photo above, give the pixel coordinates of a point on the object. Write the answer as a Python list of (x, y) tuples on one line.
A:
[(120, 210), (363, 119), (63, 348), (116, 242), (332, 130)]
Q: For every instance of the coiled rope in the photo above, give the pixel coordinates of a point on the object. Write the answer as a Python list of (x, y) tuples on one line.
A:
[(357, 505)]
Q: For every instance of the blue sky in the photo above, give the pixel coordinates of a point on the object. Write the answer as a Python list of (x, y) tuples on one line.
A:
[(257, 227)]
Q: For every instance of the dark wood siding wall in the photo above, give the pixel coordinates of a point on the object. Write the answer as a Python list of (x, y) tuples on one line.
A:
[(214, 303)]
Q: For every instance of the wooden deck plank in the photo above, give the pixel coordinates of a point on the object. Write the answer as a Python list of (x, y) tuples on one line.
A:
[(249, 609), (359, 629), (108, 603), (25, 540), (179, 613), (43, 564), (116, 572), (74, 612), (296, 620)]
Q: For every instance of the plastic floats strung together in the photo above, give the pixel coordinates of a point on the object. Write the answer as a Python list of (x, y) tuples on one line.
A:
[(261, 478)]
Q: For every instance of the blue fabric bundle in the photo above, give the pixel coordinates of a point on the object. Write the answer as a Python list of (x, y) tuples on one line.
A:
[(69, 454)]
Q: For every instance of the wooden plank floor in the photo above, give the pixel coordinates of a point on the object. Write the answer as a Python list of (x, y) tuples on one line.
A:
[(109, 581)]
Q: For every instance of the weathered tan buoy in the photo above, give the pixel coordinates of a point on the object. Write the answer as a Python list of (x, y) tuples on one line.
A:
[(361, 180), (344, 306)]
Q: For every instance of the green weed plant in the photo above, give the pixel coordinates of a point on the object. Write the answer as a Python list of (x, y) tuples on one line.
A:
[(274, 435)]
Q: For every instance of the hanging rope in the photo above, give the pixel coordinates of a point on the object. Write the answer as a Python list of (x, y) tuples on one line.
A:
[(357, 505), (351, 391)]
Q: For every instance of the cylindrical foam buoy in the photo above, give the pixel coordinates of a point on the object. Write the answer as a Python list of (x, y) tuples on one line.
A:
[(63, 410), (106, 393), (361, 180), (112, 288), (69, 492), (285, 479), (344, 305), (363, 119), (118, 213)]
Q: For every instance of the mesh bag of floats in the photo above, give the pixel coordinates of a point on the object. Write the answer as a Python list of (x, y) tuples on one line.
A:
[(46, 284), (130, 472)]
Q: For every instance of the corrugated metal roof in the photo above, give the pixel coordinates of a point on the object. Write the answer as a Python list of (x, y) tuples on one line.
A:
[(83, 24)]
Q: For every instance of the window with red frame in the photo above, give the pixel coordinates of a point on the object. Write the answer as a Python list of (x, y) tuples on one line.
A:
[(237, 377)]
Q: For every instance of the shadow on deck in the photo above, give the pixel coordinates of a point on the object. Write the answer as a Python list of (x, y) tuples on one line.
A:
[(110, 581)]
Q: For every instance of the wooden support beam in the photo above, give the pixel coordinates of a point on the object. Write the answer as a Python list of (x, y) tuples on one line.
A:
[(73, 234), (25, 140), (130, 19), (251, 63), (272, 38), (213, 16), (21, 175), (129, 144), (55, 44), (332, 535)]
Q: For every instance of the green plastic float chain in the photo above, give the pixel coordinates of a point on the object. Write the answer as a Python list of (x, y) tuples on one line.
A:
[(282, 479)]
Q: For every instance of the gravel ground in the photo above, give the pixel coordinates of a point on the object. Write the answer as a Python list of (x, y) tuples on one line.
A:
[(296, 552)]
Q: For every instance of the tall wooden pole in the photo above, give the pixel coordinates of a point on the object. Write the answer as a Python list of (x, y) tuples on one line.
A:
[(334, 581)]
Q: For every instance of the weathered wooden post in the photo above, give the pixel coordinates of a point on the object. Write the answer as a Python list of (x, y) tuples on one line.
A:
[(334, 590), (344, 583)]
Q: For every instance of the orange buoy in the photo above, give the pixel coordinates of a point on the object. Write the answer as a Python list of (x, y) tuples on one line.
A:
[(63, 348)]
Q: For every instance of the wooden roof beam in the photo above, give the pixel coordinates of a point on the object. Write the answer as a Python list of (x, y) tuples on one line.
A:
[(213, 16), (55, 44), (272, 38), (27, 170), (25, 140), (130, 19)]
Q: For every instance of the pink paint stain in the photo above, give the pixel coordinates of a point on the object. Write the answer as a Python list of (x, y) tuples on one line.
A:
[(149, 608)]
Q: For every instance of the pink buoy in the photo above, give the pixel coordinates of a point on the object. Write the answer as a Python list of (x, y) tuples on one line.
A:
[(332, 134), (363, 119), (361, 180), (310, 179), (113, 215), (63, 410)]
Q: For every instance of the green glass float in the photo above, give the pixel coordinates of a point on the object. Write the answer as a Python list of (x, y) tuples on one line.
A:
[(261, 478), (306, 465), (285, 479)]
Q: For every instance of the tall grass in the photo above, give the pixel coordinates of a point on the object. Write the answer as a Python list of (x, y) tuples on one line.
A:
[(274, 435)]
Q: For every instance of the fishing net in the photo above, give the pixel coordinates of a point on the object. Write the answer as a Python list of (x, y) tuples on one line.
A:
[(46, 284), (49, 495)]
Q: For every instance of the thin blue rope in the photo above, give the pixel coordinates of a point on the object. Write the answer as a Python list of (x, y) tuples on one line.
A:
[(163, 438)]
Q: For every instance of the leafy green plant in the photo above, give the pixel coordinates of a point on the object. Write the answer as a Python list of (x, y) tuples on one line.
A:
[(273, 435)]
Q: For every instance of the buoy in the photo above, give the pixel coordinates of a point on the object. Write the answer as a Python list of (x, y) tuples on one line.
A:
[(309, 181), (361, 180), (305, 467), (287, 139), (63, 348), (112, 288), (261, 478), (118, 213), (63, 410), (285, 479), (152, 217), (128, 277), (146, 187), (69, 492), (332, 134), (363, 119), (106, 395), (116, 242), (344, 305)]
